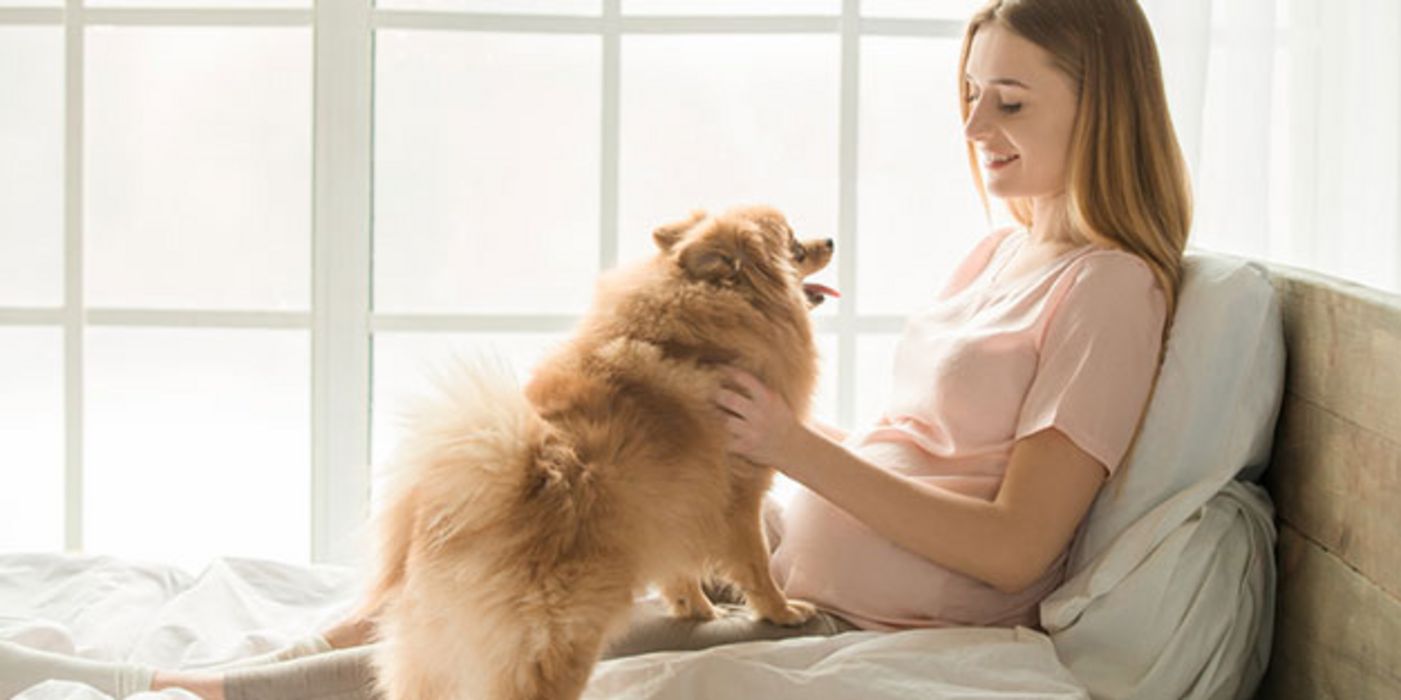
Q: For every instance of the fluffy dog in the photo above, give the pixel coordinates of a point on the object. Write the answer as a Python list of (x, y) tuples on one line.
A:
[(521, 525)]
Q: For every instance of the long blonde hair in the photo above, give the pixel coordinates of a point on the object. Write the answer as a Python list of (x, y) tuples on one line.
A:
[(1127, 184)]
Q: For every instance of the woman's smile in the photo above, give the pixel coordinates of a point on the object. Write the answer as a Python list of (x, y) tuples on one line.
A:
[(994, 161)]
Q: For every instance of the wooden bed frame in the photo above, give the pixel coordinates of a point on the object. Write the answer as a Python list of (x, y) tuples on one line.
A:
[(1335, 476)]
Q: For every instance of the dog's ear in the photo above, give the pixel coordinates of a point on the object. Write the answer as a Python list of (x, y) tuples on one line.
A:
[(710, 258), (667, 236)]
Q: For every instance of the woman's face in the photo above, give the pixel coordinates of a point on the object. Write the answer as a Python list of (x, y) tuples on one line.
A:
[(1020, 114)]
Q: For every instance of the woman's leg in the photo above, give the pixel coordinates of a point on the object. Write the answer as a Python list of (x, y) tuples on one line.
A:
[(319, 671), (312, 644), (653, 629), (353, 631), (347, 672), (343, 674), (22, 667)]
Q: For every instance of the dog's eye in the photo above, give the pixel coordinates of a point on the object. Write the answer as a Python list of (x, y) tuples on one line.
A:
[(799, 252)]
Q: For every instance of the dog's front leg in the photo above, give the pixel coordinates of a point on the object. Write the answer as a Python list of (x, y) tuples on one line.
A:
[(746, 562), (686, 599)]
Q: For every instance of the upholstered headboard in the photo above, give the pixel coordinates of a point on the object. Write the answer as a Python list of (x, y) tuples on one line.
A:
[(1335, 476)]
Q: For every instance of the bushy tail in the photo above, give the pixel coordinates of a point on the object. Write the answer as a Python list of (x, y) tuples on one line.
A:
[(465, 453)]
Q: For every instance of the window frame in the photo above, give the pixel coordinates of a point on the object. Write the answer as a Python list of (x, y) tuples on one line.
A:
[(341, 319)]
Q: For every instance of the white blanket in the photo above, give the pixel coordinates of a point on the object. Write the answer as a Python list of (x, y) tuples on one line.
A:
[(104, 608), (1170, 595), (1179, 606)]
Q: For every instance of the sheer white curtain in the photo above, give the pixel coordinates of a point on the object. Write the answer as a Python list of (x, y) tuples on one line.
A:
[(1289, 114)]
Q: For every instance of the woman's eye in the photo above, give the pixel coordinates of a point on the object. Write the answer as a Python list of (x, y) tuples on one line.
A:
[(1012, 108)]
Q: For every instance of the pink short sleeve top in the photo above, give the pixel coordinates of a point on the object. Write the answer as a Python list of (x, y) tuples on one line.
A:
[(1073, 345)]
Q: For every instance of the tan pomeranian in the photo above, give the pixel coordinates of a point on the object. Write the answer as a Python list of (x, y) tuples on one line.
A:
[(521, 525)]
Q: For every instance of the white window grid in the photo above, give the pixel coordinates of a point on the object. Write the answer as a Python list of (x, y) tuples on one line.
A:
[(341, 320)]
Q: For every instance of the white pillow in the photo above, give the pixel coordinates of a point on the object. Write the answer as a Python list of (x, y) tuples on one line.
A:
[(1192, 620), (1212, 416), (1170, 586)]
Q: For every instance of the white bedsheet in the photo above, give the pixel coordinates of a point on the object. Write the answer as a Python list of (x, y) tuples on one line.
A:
[(105, 608), (1171, 591)]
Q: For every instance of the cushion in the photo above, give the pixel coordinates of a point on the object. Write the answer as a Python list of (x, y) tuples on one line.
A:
[(1170, 585), (1212, 415), (1193, 619)]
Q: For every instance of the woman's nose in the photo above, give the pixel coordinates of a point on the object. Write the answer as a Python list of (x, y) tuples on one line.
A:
[(975, 127)]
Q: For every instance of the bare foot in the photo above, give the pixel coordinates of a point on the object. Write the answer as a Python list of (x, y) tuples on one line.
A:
[(351, 632), (209, 686)]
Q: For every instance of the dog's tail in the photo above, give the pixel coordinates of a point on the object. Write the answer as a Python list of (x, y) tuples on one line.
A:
[(470, 449)]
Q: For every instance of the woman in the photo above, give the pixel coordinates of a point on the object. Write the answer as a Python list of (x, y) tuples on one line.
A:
[(1018, 392)]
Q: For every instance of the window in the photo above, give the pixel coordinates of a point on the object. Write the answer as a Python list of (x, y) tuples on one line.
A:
[(235, 236)]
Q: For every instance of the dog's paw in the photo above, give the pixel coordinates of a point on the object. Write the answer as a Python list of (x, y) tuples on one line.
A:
[(794, 613), (691, 609)]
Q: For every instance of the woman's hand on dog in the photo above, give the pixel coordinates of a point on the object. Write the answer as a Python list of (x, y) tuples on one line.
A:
[(762, 427)]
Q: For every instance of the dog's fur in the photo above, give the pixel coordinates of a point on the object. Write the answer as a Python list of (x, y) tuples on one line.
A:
[(521, 525)]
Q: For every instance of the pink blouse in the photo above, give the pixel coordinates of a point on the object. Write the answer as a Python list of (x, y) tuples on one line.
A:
[(1073, 345)]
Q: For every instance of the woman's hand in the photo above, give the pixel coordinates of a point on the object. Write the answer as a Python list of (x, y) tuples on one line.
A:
[(762, 426)]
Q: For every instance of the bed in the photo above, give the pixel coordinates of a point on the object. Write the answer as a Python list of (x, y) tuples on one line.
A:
[(1257, 557), (1336, 479)]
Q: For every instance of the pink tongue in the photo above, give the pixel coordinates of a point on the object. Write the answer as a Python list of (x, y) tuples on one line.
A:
[(822, 289)]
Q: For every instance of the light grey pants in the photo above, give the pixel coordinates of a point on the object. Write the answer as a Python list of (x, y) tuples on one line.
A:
[(347, 674)]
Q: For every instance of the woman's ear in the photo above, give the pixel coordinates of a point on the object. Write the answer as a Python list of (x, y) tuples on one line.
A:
[(667, 236)]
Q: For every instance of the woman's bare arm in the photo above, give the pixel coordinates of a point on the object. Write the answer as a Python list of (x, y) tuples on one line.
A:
[(827, 430), (1008, 542)]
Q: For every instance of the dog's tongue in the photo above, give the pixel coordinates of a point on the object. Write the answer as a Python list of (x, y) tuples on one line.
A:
[(821, 289)]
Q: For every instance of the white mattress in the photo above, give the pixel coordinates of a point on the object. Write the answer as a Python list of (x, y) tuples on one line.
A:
[(105, 608)]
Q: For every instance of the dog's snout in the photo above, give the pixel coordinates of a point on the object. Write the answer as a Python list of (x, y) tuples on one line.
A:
[(830, 244)]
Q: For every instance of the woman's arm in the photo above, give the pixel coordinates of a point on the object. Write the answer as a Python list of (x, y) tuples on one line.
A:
[(827, 430), (1008, 543)]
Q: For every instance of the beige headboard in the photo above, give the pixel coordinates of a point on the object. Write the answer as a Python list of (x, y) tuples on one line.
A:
[(1336, 480)]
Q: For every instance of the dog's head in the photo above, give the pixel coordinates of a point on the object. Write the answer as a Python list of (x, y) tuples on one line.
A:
[(747, 248)]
